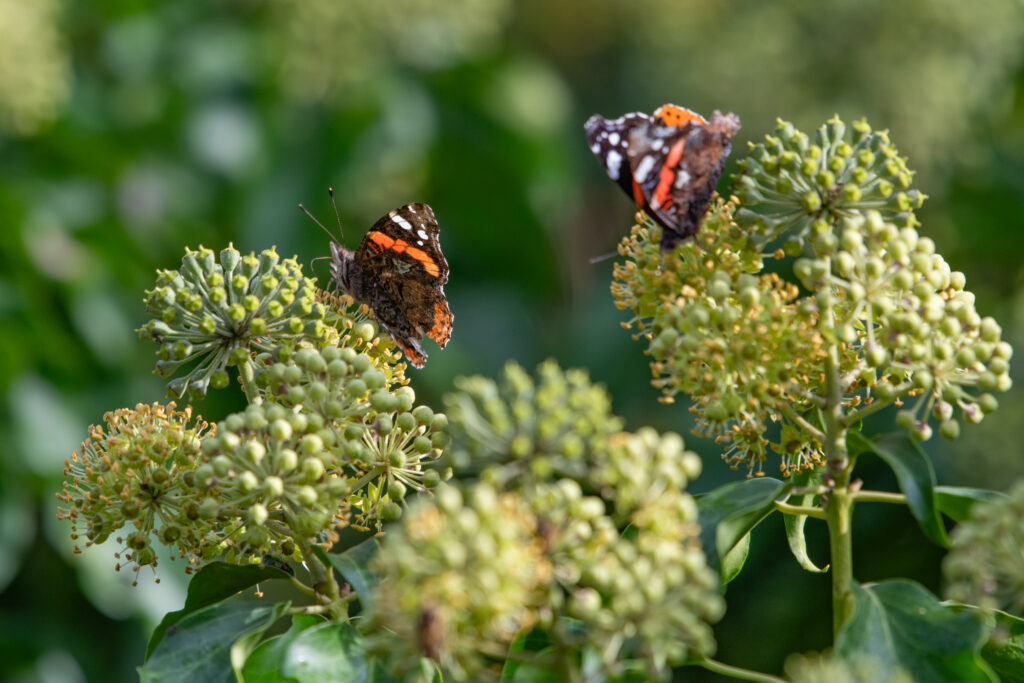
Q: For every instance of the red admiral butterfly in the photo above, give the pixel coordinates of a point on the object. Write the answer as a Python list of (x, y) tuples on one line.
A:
[(398, 270), (675, 158)]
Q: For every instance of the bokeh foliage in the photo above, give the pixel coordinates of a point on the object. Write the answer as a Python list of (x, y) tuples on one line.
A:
[(128, 132)]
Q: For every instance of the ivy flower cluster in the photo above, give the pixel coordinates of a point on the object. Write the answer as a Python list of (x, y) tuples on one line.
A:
[(134, 472), (794, 181), (985, 565), (375, 436), (883, 319), (216, 312), (641, 600), (462, 575)]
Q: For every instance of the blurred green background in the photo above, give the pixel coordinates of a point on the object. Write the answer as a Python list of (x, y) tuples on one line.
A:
[(129, 130)]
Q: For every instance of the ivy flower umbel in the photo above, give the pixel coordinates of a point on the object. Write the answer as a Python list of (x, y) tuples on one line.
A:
[(268, 478), (460, 578), (737, 340), (380, 440), (751, 349), (985, 565), (907, 325), (526, 425), (352, 325), (134, 470), (842, 173), (214, 313), (645, 598)]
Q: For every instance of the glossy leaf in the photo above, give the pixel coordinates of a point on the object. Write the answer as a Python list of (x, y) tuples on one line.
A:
[(956, 501), (728, 513), (264, 664), (901, 624), (351, 565), (1004, 650), (331, 651), (215, 582), (198, 647), (795, 523), (916, 478)]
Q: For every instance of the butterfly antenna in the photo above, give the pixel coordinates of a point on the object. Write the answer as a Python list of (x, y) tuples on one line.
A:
[(341, 231), (603, 257), (322, 227)]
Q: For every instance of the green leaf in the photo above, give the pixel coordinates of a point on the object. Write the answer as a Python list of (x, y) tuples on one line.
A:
[(1004, 650), (728, 513), (956, 501), (795, 523), (537, 641), (264, 664), (733, 561), (351, 565), (901, 624), (331, 651), (198, 647), (916, 478), (213, 583)]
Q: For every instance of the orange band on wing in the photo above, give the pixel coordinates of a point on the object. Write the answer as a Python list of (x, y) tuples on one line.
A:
[(662, 191), (638, 194), (673, 115), (383, 242)]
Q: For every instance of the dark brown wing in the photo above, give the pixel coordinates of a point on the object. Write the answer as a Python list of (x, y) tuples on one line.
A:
[(406, 240), (677, 169)]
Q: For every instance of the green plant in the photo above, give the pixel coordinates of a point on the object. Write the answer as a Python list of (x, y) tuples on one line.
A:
[(523, 534)]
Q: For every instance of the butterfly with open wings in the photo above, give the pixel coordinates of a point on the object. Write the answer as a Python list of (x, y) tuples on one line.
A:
[(668, 163), (398, 270)]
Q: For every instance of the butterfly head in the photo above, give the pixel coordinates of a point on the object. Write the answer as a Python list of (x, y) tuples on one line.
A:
[(342, 266)]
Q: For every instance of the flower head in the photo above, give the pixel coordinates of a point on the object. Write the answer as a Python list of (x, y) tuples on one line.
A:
[(461, 573), (985, 565), (794, 181), (214, 313), (870, 312), (134, 471), (522, 424), (375, 435)]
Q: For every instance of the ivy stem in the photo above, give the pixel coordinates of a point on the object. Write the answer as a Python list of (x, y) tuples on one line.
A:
[(806, 510), (839, 501), (737, 672), (247, 373), (879, 497)]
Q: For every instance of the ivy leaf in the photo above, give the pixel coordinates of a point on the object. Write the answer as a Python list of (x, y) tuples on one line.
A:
[(1005, 649), (916, 477), (726, 516), (956, 501), (213, 583), (199, 646), (331, 651), (795, 523), (264, 664), (901, 624), (351, 565)]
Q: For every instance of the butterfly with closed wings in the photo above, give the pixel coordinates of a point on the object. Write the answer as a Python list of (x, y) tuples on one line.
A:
[(398, 270)]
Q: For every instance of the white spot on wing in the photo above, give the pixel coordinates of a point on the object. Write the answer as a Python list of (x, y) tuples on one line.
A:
[(643, 168), (612, 163), (595, 148), (402, 223), (682, 177), (422, 234), (613, 139)]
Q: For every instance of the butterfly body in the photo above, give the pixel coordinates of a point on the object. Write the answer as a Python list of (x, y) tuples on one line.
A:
[(669, 163), (398, 270)]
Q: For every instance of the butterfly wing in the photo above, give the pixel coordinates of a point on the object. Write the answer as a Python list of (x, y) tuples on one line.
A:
[(402, 278), (677, 169)]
